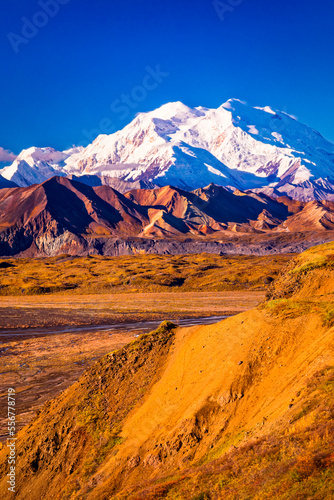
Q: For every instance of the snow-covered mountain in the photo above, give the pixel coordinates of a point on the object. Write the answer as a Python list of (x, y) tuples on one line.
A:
[(235, 145), (35, 165)]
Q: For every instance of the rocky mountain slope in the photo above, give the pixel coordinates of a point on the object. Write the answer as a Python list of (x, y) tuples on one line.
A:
[(54, 215), (66, 216), (235, 145), (242, 408)]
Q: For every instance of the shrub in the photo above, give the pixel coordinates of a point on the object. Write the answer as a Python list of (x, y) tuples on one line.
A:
[(202, 496)]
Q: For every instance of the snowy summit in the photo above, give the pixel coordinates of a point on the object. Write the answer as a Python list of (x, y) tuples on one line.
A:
[(235, 145)]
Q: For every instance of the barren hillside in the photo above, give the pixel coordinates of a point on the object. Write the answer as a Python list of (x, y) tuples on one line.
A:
[(240, 409)]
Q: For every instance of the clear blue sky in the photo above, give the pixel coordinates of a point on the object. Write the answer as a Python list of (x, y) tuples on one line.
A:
[(62, 80)]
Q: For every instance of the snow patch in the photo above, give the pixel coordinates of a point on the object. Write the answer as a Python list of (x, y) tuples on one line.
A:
[(267, 109), (214, 170), (253, 130), (277, 136)]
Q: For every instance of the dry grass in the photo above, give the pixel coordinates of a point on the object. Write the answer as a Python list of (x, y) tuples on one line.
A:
[(138, 273), (314, 258)]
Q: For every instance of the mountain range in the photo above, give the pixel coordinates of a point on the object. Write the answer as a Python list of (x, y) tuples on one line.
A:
[(64, 215), (237, 146)]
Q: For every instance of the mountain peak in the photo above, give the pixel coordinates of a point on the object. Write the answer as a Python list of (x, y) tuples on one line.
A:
[(46, 154), (240, 104), (230, 102), (175, 110)]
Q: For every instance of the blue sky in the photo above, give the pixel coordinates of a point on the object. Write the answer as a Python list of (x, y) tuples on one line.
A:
[(63, 82)]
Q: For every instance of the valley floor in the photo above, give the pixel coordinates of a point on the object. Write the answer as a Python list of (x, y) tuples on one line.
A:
[(56, 310)]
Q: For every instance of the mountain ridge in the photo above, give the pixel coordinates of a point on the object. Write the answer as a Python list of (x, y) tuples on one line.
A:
[(234, 145), (62, 215)]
